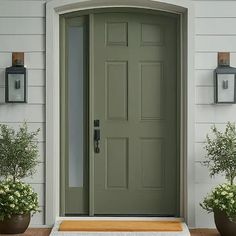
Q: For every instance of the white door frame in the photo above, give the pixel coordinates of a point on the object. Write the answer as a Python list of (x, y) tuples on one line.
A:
[(53, 10)]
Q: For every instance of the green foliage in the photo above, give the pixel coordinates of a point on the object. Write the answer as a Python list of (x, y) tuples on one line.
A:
[(16, 198), (221, 159), (18, 152), (221, 152), (222, 198)]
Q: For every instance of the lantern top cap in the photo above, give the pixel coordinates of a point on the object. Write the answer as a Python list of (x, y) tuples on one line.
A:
[(225, 70), (16, 69)]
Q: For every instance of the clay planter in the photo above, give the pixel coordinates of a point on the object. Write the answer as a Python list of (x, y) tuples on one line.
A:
[(223, 224), (17, 224)]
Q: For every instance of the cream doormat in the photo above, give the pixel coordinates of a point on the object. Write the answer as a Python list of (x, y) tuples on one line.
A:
[(181, 230)]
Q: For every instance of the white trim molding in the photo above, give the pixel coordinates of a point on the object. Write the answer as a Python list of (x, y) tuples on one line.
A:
[(54, 8)]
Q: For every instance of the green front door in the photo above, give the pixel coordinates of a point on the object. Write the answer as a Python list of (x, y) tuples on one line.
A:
[(135, 100), (132, 90)]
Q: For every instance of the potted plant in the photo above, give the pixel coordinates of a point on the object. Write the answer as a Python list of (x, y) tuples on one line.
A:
[(18, 159), (221, 159)]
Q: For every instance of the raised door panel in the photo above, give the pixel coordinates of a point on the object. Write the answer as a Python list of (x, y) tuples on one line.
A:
[(152, 162), (116, 34), (151, 90), (151, 34), (117, 163), (116, 90)]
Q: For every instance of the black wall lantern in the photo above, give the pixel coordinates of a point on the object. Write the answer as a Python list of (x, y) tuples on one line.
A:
[(225, 81), (16, 83)]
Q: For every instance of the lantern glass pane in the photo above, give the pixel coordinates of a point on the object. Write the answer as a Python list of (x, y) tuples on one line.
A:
[(226, 84), (16, 84)]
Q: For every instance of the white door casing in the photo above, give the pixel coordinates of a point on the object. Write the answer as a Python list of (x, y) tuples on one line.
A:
[(53, 10)]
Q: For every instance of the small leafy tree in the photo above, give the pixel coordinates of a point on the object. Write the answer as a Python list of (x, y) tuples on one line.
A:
[(221, 152), (18, 152)]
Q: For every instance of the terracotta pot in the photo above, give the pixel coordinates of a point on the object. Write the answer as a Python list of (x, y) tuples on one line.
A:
[(223, 224), (17, 224)]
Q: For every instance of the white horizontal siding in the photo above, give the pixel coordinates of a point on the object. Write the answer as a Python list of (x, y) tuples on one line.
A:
[(215, 113), (36, 77), (39, 189), (38, 218), (41, 146), (33, 60), (36, 95), (215, 43), (6, 62), (21, 112), (215, 26), (22, 43), (217, 9), (202, 175), (208, 60), (215, 31), (22, 29), (202, 129), (25, 26), (204, 95), (38, 177), (204, 77), (205, 60), (22, 8), (203, 219), (200, 152), (204, 184)]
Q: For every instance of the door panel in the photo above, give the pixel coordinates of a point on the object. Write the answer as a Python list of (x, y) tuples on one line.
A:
[(151, 163), (135, 99), (116, 163), (116, 90), (151, 74)]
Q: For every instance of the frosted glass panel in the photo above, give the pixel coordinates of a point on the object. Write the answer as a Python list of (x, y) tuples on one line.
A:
[(16, 94), (76, 105), (226, 94)]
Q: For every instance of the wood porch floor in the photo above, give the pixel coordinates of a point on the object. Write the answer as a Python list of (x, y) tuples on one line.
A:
[(204, 232), (46, 232)]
